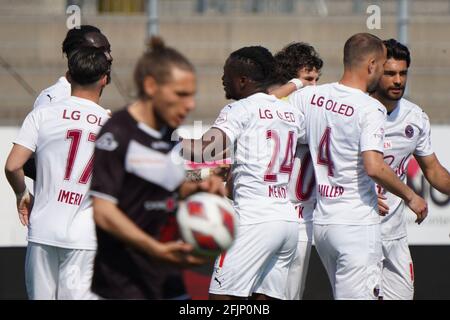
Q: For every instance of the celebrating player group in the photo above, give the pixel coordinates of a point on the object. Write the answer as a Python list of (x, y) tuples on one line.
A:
[(308, 163)]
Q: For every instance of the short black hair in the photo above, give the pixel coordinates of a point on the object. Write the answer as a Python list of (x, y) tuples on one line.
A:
[(76, 38), (358, 46), (87, 65), (397, 51), (294, 57), (256, 63)]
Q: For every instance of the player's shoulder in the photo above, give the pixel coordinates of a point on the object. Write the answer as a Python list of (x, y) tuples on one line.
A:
[(116, 131), (307, 90), (413, 110), (257, 99), (60, 84), (121, 119), (234, 106), (247, 104), (56, 92), (373, 106), (409, 106)]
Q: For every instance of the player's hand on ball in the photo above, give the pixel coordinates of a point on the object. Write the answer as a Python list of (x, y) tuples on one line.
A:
[(222, 171), (383, 208), (178, 253), (24, 206), (213, 184), (419, 206)]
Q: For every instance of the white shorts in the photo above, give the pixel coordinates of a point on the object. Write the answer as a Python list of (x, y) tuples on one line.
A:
[(398, 270), (299, 267), (352, 258), (58, 273), (257, 262)]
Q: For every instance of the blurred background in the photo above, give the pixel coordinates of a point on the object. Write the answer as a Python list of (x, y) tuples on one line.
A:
[(207, 31)]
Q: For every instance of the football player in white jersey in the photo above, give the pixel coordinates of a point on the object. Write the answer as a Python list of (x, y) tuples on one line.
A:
[(301, 61), (85, 36), (407, 133), (262, 132), (345, 131), (61, 234)]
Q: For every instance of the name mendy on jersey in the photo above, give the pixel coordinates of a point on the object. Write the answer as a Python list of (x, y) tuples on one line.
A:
[(277, 192)]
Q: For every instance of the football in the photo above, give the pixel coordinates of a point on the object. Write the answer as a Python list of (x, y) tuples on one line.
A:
[(208, 222)]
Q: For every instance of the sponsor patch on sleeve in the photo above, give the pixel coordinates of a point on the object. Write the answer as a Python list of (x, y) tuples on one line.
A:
[(106, 142), (221, 118)]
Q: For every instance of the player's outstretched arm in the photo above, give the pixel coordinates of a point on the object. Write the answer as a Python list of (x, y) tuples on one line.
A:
[(435, 173), (288, 88), (382, 174), (213, 184), (284, 90), (212, 146), (111, 219), (15, 176), (196, 175)]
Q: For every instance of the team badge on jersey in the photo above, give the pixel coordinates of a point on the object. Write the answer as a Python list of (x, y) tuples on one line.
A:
[(409, 131), (221, 118), (107, 142)]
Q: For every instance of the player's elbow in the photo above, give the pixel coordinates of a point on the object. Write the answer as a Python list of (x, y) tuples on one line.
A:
[(373, 164), (100, 214), (11, 167), (374, 170)]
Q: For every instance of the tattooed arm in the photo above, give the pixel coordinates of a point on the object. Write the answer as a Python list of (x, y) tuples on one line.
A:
[(201, 174), (195, 175)]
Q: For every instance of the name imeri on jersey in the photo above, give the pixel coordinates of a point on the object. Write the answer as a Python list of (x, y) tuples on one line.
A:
[(70, 197)]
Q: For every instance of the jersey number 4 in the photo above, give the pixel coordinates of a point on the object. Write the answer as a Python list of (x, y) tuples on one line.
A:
[(75, 138), (324, 154), (286, 164)]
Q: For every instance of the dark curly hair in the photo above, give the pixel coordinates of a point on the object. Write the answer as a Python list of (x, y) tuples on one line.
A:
[(293, 57), (397, 51), (256, 63)]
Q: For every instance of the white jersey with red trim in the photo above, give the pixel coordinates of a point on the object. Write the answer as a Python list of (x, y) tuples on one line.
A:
[(341, 123), (55, 93), (264, 131), (302, 183), (62, 135), (407, 132)]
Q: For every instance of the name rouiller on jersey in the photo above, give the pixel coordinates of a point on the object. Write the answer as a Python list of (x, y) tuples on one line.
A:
[(332, 106), (328, 191)]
